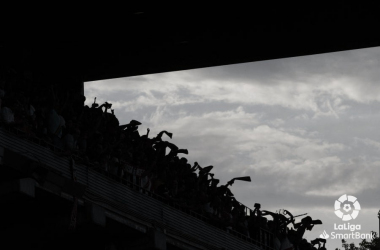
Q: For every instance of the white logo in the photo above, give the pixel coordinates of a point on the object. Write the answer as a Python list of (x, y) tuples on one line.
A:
[(347, 207), (324, 235)]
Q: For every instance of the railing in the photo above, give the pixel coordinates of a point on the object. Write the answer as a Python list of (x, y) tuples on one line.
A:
[(264, 239)]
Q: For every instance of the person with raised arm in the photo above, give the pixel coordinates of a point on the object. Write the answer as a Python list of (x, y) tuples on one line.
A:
[(307, 223)]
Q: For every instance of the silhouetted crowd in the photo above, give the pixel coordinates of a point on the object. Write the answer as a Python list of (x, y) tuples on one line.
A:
[(60, 117)]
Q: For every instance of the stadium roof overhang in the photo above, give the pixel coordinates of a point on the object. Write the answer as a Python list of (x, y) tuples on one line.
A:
[(149, 42)]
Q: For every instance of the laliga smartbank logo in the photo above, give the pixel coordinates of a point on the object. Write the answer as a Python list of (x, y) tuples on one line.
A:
[(347, 208), (324, 235)]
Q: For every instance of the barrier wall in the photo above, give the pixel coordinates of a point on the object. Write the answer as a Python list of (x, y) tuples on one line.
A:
[(132, 205)]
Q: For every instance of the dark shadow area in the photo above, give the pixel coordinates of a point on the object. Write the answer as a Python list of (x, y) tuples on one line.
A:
[(56, 117)]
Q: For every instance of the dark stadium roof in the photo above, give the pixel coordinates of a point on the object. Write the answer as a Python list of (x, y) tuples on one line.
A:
[(144, 42)]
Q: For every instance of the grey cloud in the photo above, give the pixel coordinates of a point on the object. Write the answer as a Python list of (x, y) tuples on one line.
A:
[(222, 149), (305, 129)]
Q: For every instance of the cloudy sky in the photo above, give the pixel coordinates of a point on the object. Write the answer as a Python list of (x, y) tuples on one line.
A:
[(306, 129)]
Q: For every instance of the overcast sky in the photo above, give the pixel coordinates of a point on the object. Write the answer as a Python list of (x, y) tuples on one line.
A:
[(306, 129)]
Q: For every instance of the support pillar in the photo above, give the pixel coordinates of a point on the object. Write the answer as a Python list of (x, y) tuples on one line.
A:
[(158, 238), (1, 155), (378, 216), (96, 214)]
